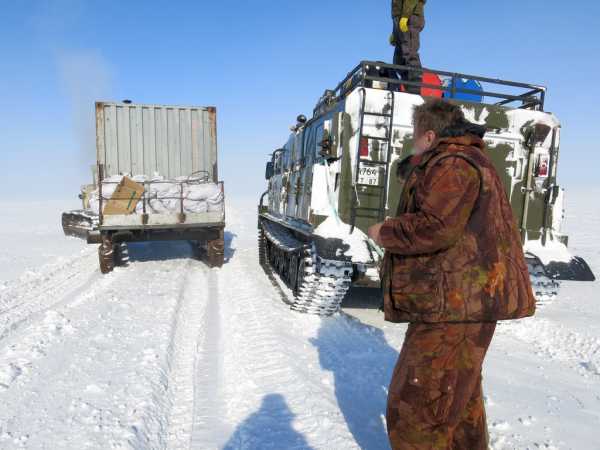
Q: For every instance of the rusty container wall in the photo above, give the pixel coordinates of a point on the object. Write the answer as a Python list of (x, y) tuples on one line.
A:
[(170, 141)]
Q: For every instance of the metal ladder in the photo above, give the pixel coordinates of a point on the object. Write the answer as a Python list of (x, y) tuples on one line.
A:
[(356, 209)]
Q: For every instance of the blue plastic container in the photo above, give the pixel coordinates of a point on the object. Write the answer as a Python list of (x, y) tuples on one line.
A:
[(464, 83)]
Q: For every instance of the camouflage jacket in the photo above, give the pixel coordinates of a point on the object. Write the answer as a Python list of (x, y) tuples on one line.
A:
[(454, 253), (407, 8)]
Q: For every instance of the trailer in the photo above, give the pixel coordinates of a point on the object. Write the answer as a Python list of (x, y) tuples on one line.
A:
[(155, 178)]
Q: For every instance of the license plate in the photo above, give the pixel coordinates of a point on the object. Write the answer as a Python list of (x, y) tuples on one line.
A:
[(368, 175)]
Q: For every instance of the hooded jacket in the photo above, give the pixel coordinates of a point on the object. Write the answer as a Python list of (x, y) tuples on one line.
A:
[(454, 252)]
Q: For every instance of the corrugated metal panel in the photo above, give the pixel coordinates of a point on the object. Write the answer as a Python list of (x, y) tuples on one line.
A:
[(172, 141)]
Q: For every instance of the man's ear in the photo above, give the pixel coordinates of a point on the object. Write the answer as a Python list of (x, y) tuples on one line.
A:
[(431, 136)]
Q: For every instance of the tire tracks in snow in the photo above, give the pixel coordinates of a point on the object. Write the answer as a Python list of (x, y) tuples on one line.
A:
[(54, 276), (208, 370), (266, 359), (113, 308), (53, 290), (28, 337), (194, 360)]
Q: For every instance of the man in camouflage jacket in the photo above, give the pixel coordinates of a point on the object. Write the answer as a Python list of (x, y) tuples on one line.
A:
[(409, 20), (454, 265)]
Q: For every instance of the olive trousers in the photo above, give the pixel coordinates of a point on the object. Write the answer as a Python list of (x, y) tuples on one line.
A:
[(407, 50)]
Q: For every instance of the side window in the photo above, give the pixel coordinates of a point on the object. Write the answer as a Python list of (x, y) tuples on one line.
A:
[(298, 147), (285, 156), (277, 163), (301, 140), (318, 140), (313, 142), (309, 146), (289, 154)]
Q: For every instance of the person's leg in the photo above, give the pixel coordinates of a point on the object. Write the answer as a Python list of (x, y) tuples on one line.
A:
[(407, 51), (399, 38), (415, 26), (413, 59), (417, 406), (437, 372), (472, 432)]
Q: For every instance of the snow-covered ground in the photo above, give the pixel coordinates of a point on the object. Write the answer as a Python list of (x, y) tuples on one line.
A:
[(167, 353)]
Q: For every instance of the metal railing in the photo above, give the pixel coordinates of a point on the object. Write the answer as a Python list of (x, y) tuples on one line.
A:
[(528, 96)]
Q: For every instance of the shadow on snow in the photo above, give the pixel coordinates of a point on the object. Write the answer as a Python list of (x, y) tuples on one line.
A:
[(268, 428), (362, 363), (172, 250)]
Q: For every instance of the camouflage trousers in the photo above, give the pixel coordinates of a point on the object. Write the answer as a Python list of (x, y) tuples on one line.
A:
[(435, 399)]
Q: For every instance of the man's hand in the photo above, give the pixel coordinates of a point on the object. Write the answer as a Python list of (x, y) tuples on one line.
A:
[(403, 24), (374, 233)]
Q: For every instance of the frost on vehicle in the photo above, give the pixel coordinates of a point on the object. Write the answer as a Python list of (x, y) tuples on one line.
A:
[(342, 171), (155, 178)]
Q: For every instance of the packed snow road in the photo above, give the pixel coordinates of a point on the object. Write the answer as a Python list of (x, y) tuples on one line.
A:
[(167, 353)]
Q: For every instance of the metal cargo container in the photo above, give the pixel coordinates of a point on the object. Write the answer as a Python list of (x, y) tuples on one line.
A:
[(160, 161), (172, 141)]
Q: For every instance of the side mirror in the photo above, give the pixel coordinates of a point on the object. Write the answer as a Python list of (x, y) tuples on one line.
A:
[(269, 170)]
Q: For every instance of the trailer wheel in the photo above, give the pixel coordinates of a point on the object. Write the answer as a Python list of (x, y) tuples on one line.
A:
[(121, 254), (215, 251), (106, 255)]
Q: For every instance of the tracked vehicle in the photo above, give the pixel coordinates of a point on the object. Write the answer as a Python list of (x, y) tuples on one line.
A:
[(341, 172)]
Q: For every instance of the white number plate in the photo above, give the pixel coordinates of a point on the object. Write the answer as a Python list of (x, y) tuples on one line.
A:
[(368, 174)]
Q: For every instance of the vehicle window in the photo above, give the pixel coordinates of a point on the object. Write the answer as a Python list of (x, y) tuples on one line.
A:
[(318, 139)]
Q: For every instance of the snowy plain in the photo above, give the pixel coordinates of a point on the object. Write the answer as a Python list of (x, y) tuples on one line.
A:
[(167, 353)]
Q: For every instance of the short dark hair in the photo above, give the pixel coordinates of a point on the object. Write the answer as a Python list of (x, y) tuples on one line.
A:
[(436, 115)]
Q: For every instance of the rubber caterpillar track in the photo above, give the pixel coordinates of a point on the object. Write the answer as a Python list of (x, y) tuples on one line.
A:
[(79, 223), (544, 288), (319, 285)]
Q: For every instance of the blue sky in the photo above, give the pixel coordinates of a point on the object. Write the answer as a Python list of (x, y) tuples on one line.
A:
[(261, 63)]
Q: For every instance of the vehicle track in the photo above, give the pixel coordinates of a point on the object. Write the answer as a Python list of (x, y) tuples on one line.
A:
[(94, 313), (208, 367), (257, 357), (194, 359), (52, 290), (21, 291)]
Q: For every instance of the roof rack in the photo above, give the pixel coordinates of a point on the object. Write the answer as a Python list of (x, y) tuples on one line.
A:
[(529, 96)]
